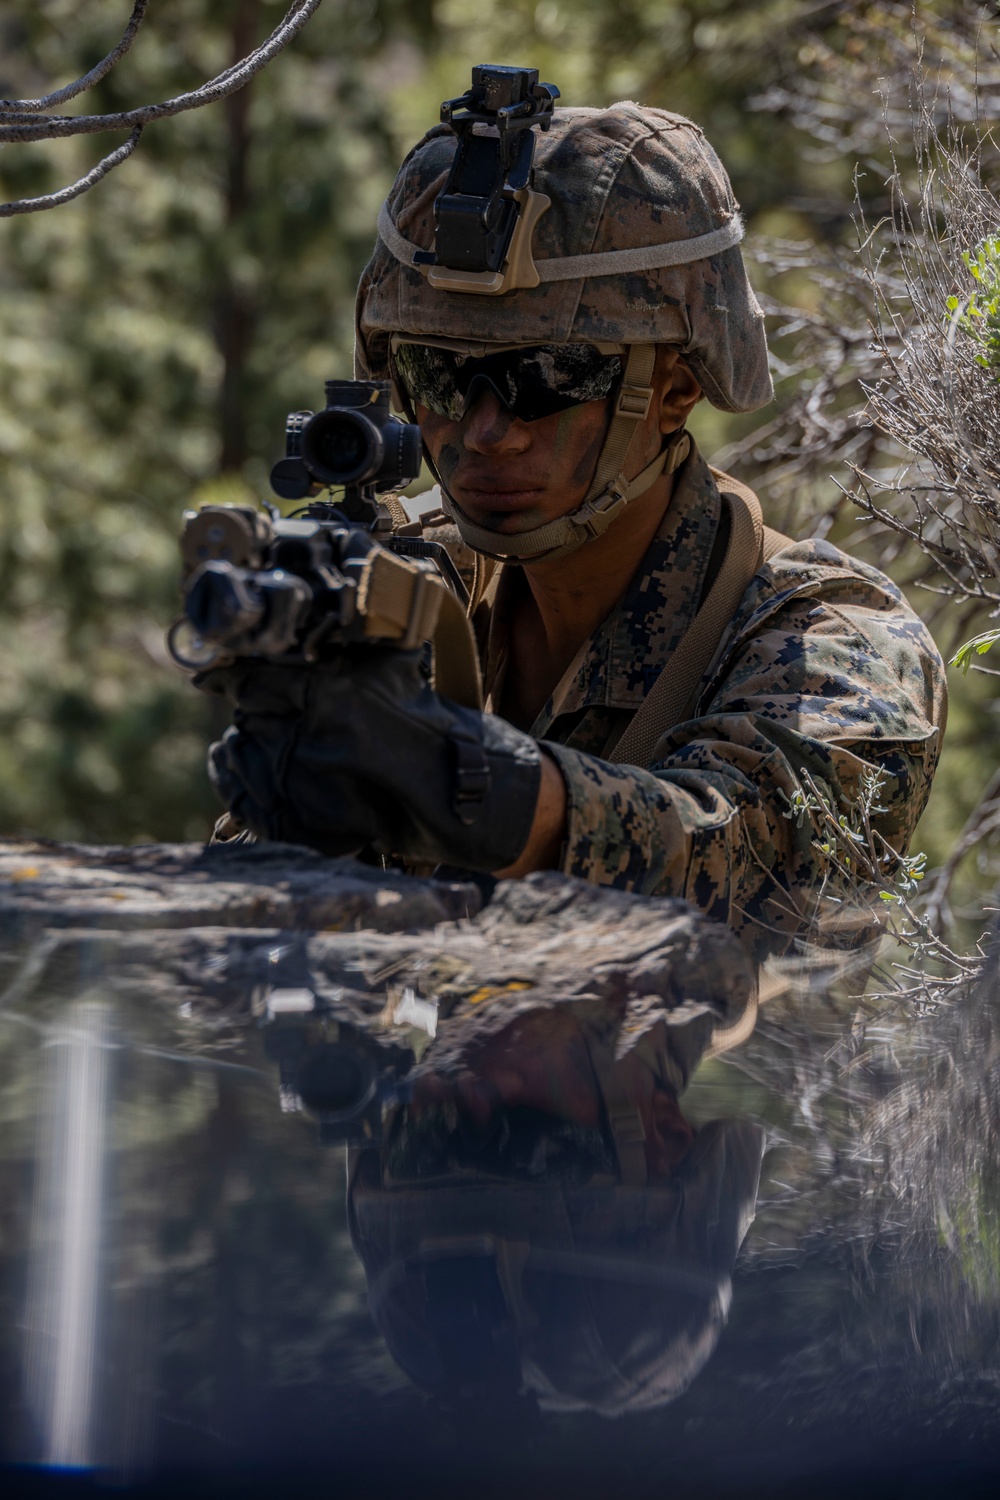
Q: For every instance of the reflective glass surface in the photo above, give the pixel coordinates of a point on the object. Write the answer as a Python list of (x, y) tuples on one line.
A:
[(189, 1301)]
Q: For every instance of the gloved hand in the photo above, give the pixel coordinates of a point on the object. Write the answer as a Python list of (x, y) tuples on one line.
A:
[(361, 751)]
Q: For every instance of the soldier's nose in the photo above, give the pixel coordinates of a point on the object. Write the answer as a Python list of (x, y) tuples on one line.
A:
[(490, 425)]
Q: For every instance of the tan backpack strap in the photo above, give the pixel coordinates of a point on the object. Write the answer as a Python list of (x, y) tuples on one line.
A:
[(666, 703), (774, 541), (456, 659), (485, 567)]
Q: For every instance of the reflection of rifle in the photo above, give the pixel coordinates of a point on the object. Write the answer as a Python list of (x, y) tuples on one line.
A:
[(336, 1071), (335, 574), (342, 1072)]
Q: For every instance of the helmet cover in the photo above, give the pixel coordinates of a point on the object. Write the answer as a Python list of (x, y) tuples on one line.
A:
[(620, 179)]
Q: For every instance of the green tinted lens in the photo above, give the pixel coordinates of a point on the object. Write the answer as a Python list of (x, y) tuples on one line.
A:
[(428, 376), (552, 377), (535, 382)]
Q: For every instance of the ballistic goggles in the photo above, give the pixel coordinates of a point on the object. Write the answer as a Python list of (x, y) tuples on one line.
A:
[(447, 375)]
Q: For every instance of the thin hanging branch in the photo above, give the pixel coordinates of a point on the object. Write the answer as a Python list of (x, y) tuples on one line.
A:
[(62, 96), (22, 120), (82, 184), (53, 127)]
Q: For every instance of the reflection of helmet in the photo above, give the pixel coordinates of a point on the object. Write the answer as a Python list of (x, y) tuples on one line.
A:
[(598, 1297), (640, 247)]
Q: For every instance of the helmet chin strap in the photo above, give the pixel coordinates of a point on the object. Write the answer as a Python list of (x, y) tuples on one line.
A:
[(609, 492)]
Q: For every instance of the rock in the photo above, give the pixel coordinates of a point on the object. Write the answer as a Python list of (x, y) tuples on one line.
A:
[(281, 886), (204, 935)]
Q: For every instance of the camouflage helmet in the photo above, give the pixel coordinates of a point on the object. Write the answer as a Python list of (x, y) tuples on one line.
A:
[(640, 247)]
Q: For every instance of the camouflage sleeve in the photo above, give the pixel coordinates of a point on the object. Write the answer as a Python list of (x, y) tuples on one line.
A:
[(832, 685)]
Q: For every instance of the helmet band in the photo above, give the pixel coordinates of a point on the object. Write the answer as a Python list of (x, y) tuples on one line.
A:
[(603, 263)]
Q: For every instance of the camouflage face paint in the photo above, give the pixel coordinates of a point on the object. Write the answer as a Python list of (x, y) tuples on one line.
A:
[(583, 471), (447, 461), (578, 439), (500, 421)]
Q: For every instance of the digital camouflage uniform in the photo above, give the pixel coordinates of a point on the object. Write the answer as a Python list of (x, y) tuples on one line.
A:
[(824, 666)]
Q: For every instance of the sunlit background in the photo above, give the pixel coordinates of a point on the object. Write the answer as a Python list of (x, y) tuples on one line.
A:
[(154, 333)]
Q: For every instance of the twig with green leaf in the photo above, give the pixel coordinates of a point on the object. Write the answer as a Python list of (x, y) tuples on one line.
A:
[(873, 882), (978, 646)]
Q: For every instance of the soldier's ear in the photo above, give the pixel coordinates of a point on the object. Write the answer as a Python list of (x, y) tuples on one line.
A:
[(679, 391)]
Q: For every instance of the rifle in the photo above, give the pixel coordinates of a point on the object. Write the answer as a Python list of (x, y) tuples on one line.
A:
[(334, 574)]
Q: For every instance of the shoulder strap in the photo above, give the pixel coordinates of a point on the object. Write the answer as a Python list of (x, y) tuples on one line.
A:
[(486, 570), (750, 544)]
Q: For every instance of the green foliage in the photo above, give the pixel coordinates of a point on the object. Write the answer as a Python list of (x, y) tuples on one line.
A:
[(862, 859), (979, 645), (152, 337), (978, 314), (867, 883), (154, 332), (853, 848)]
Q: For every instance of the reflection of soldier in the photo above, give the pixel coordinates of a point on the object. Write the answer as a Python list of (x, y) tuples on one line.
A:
[(542, 1220), (554, 416)]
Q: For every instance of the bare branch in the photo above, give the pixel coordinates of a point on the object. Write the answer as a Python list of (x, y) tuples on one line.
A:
[(82, 184), (883, 389), (62, 96), (55, 127), (982, 823), (936, 392)]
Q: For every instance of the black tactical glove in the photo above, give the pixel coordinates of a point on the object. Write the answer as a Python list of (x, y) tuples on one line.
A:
[(361, 751)]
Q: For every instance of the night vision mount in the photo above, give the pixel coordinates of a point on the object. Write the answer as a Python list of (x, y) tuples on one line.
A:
[(486, 213)]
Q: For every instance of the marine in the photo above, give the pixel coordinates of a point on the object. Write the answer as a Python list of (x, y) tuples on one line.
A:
[(659, 668)]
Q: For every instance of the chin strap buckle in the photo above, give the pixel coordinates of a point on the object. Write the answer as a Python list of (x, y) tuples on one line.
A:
[(597, 515), (634, 402)]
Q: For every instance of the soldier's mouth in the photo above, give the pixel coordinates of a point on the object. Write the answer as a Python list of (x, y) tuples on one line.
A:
[(499, 509), (489, 499)]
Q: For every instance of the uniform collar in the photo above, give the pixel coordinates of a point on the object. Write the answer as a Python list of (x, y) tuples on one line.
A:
[(617, 665)]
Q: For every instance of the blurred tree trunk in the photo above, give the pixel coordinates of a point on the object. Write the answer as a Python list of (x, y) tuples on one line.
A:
[(236, 303)]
